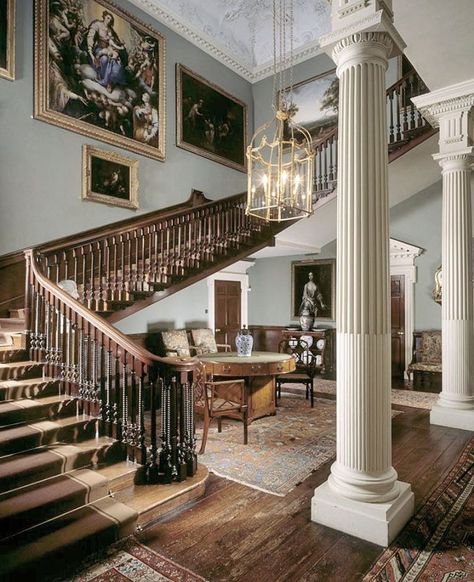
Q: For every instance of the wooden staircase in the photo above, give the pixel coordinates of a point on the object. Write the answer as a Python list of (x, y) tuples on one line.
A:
[(85, 412), (52, 504)]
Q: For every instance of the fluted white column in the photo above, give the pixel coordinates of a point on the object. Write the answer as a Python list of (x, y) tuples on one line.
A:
[(457, 303), (452, 110), (362, 495)]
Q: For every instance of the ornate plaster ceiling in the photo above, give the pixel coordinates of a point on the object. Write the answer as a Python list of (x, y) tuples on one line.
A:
[(240, 32)]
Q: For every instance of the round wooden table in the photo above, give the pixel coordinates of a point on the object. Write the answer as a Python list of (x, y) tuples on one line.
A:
[(259, 371)]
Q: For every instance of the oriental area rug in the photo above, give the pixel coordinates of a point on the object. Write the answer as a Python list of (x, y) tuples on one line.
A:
[(437, 545), (130, 560), (410, 398), (282, 450)]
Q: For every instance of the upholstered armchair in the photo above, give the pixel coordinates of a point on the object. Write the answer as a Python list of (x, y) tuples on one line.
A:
[(426, 357), (174, 343), (204, 342)]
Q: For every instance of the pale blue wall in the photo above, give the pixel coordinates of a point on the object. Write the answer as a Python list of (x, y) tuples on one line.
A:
[(40, 165), (416, 221)]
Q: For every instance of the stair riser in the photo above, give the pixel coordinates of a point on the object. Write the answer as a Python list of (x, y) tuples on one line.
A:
[(26, 563), (30, 391), (55, 466), (69, 434), (21, 372), (46, 411), (13, 355), (17, 516)]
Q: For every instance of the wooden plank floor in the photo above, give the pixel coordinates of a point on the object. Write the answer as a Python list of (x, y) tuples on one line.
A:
[(235, 533)]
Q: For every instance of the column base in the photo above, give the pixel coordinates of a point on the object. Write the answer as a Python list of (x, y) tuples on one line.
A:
[(378, 523), (452, 417)]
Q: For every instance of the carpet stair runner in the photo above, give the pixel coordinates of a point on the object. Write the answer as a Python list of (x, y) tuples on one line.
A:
[(55, 507)]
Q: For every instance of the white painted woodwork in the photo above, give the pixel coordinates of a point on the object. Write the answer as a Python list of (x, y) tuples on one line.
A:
[(362, 495), (451, 108)]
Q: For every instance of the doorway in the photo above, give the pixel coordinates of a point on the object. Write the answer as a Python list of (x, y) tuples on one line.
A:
[(398, 325), (227, 311)]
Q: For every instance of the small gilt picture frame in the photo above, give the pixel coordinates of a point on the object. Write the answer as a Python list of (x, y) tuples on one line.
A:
[(109, 178), (7, 39)]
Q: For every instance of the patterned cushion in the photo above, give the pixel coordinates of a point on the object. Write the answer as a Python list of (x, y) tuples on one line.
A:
[(204, 341), (431, 349), (175, 343), (430, 367)]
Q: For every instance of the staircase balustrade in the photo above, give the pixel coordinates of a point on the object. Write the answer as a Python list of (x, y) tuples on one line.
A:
[(133, 261), (109, 375), (404, 124)]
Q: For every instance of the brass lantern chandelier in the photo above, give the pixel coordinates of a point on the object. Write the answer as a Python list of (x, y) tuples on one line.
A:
[(280, 156)]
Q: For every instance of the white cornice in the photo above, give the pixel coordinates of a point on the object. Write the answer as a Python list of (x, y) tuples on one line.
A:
[(212, 47), (401, 251), (458, 97)]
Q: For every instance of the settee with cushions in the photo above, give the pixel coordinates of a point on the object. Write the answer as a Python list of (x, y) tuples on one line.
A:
[(425, 365), (185, 343)]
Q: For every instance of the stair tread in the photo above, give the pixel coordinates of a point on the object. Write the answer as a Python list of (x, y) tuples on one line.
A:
[(19, 469), (37, 502), (45, 425), (19, 364), (25, 382), (67, 531), (34, 402)]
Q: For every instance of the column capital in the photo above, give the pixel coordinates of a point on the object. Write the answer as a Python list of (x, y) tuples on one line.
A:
[(452, 110), (350, 17), (456, 162), (363, 47)]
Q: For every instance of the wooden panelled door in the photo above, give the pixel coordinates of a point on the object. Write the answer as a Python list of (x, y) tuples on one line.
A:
[(227, 311), (398, 325)]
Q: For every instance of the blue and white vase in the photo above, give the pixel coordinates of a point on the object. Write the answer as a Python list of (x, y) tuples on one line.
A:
[(244, 342)]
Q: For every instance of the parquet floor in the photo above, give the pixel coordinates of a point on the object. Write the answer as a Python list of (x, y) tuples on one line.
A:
[(239, 534)]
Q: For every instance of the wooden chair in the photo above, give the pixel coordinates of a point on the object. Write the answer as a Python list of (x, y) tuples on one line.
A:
[(215, 399), (305, 370)]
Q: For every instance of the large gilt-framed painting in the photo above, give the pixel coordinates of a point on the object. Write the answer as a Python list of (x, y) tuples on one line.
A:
[(7, 39), (109, 178), (314, 105), (209, 121), (100, 72), (313, 288)]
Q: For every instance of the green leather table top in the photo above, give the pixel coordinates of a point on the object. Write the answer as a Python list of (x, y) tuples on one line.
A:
[(255, 358)]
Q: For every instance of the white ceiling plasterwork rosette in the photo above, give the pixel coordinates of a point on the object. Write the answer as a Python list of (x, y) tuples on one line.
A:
[(240, 33)]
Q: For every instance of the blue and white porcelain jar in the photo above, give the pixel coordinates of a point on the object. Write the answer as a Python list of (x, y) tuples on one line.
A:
[(244, 342)]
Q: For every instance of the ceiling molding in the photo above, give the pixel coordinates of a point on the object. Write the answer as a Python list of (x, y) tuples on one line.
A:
[(214, 48)]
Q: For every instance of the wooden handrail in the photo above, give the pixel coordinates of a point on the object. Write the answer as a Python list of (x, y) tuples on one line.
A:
[(131, 224), (142, 354)]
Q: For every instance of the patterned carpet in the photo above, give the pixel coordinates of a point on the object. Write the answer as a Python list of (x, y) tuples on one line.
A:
[(410, 398), (438, 543), (130, 560), (282, 450)]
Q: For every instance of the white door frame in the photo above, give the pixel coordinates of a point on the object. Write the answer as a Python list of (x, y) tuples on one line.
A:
[(402, 262), (235, 272)]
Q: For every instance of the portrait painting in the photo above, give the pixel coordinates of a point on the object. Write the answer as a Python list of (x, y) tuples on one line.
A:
[(109, 178), (100, 72), (7, 39), (314, 289), (209, 121), (313, 104)]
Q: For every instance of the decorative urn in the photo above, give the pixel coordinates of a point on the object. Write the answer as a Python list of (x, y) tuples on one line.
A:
[(306, 320), (244, 342)]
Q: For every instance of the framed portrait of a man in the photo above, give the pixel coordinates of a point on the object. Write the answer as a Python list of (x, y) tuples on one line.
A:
[(100, 72), (313, 289), (109, 178), (209, 121), (7, 39)]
